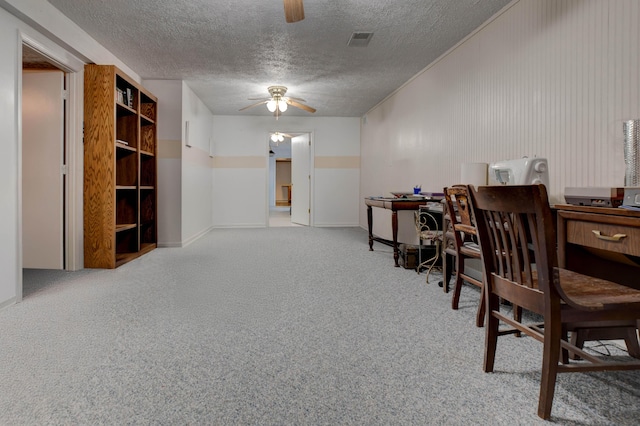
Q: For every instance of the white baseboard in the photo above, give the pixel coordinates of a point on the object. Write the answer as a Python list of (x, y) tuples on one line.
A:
[(7, 303), (196, 236)]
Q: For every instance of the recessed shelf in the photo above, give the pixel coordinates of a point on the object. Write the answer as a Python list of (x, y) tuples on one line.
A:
[(125, 226)]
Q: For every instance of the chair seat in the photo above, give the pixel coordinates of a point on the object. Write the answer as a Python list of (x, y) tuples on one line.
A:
[(594, 293)]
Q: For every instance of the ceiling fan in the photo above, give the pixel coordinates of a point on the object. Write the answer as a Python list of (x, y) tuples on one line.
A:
[(278, 103), (293, 10), (277, 137)]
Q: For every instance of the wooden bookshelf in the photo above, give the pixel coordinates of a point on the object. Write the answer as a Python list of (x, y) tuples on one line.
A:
[(120, 182)]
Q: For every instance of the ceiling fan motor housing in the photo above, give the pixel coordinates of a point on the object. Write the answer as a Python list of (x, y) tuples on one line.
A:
[(277, 91)]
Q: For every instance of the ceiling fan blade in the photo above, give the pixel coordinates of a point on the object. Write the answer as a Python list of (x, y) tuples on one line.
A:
[(293, 10), (301, 106), (295, 99), (254, 105)]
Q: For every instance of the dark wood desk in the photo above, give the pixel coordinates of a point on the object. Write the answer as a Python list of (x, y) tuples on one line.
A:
[(605, 243), (600, 241), (393, 204)]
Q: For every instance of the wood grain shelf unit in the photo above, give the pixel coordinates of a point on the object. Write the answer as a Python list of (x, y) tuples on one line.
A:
[(120, 182)]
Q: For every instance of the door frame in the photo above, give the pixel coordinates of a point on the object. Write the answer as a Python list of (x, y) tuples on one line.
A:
[(73, 69), (311, 171)]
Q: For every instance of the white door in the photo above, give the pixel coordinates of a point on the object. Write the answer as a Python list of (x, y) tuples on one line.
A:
[(42, 177), (301, 179)]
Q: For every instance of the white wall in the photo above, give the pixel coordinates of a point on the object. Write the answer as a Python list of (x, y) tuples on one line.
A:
[(169, 157), (10, 245), (547, 78), (240, 174), (197, 191)]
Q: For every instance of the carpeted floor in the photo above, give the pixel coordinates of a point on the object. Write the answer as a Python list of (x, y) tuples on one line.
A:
[(273, 326)]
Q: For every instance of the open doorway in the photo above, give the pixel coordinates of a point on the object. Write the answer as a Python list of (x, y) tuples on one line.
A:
[(289, 179), (44, 167)]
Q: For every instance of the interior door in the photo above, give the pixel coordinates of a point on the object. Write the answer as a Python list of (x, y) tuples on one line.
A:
[(42, 176), (301, 179)]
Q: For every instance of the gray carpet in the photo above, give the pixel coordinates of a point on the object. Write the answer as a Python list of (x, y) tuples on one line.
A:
[(274, 326)]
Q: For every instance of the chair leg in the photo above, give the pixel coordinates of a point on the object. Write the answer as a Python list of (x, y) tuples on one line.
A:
[(564, 353), (433, 260), (481, 309), (517, 316), (446, 272), (457, 288), (628, 334), (577, 340), (491, 334), (631, 340), (550, 358)]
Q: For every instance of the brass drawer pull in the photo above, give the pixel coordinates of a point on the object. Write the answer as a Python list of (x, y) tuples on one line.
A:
[(616, 237)]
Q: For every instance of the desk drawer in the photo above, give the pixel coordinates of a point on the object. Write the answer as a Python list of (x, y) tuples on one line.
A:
[(582, 233)]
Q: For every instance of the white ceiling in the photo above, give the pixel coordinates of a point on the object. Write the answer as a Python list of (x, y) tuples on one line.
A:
[(231, 50)]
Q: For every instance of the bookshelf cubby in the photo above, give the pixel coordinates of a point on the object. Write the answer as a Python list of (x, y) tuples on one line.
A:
[(120, 141)]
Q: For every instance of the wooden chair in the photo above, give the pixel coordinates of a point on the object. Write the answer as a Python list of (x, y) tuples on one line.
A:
[(518, 244), (429, 230), (465, 251)]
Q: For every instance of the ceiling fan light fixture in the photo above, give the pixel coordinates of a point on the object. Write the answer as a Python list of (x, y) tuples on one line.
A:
[(278, 102), (277, 137)]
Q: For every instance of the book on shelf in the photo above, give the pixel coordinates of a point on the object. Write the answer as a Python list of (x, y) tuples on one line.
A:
[(129, 98), (120, 141), (119, 96)]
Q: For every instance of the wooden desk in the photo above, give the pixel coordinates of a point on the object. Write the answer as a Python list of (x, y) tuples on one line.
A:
[(393, 204), (600, 241), (605, 243)]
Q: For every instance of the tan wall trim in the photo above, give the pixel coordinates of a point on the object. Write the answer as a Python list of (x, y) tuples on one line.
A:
[(239, 162), (168, 149), (337, 162), (197, 156)]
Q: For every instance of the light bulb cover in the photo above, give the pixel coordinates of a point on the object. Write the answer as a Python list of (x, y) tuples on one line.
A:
[(274, 137), (282, 105), (271, 105)]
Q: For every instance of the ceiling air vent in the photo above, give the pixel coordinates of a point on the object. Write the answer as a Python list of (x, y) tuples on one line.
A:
[(359, 39)]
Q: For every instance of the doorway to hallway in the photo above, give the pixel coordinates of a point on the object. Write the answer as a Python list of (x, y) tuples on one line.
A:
[(44, 111), (289, 179)]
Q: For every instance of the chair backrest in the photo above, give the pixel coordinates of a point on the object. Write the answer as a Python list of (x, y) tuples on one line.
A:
[(458, 210), (517, 240), (457, 200)]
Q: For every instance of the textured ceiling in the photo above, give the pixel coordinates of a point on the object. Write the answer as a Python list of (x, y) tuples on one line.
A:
[(231, 50)]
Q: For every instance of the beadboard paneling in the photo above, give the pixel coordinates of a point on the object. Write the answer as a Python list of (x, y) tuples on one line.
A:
[(547, 78)]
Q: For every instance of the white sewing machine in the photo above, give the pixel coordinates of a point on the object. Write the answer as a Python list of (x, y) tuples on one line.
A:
[(523, 171)]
